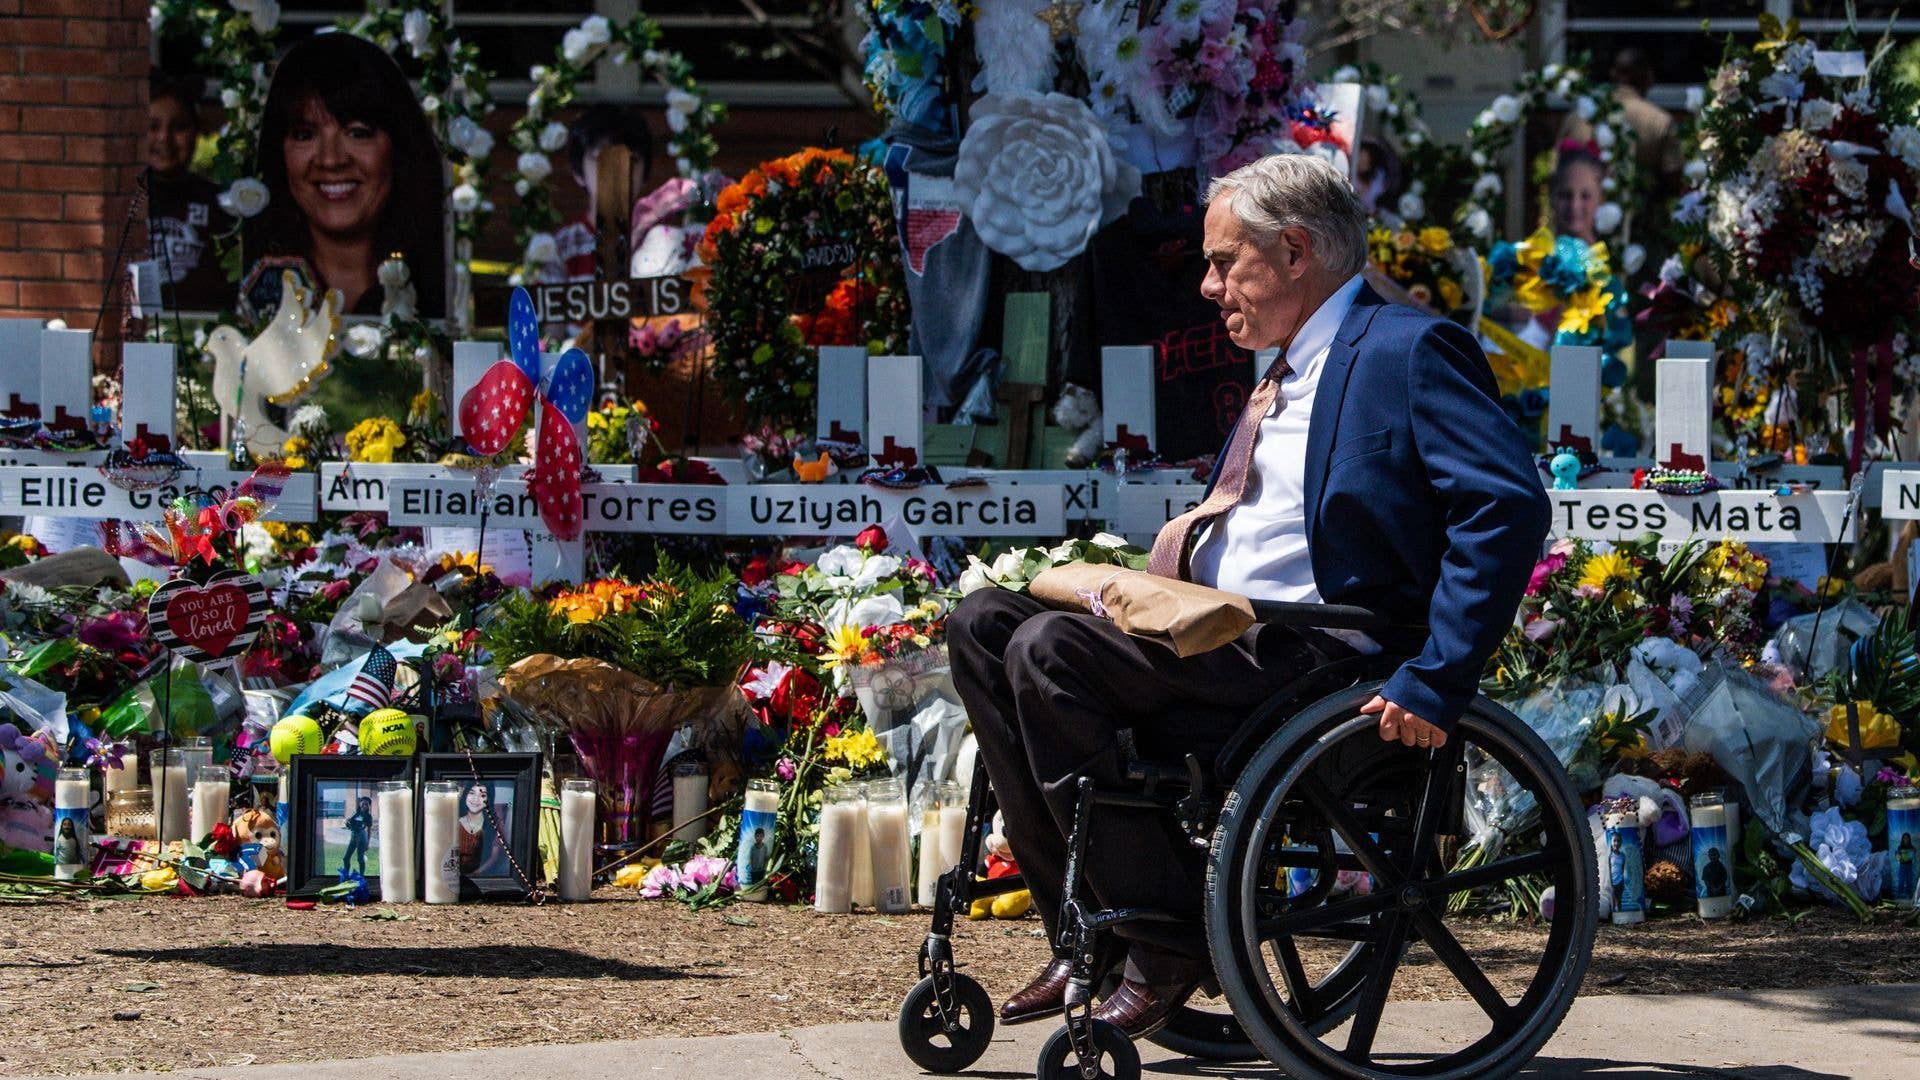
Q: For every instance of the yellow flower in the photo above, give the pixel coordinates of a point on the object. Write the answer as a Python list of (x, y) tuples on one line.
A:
[(159, 880), (855, 750), (845, 644), (1601, 571), (1435, 240), (374, 440), (1535, 293), (1534, 250), (1451, 295), (1584, 307), (467, 560), (631, 875), (423, 409), (1878, 730)]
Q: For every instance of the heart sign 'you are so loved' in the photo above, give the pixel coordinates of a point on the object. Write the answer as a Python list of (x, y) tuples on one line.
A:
[(211, 621)]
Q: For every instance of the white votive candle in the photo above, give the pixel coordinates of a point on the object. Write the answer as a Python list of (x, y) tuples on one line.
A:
[(170, 795), (953, 823), (841, 831), (125, 778), (440, 855), (395, 800), (892, 847), (690, 800), (927, 878), (209, 805), (578, 801), (72, 831), (860, 887)]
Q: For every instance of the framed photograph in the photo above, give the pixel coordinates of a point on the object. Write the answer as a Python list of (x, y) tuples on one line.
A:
[(333, 826), (496, 836)]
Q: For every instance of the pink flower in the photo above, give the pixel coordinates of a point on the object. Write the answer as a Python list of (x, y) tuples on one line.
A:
[(1541, 629), (1543, 570), (784, 769)]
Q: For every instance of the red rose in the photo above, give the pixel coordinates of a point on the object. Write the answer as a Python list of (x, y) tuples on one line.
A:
[(797, 696), (756, 572), (873, 538), (224, 843)]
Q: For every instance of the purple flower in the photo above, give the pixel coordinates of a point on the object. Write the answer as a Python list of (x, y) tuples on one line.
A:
[(784, 769)]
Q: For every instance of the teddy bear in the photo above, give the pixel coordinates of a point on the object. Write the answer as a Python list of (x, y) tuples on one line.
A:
[(258, 826), (26, 814)]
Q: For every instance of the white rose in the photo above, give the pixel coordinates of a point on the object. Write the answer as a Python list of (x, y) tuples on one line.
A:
[(681, 102), (1607, 217), (875, 570), (1696, 98), (1479, 223), (598, 29), (246, 198), (1633, 258), (265, 16), (1108, 540), (1412, 207), (575, 46), (465, 198), (973, 579), (469, 137), (553, 137), (415, 30), (1414, 138), (1550, 73), (522, 188), (229, 97), (676, 122), (1487, 186), (1486, 119), (1608, 184), (1037, 177), (542, 249), (538, 73), (429, 104), (1603, 136), (1818, 114), (1006, 566), (1479, 159), (534, 166), (1586, 107), (842, 561), (364, 340)]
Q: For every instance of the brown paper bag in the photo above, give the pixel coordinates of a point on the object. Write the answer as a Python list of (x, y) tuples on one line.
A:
[(1187, 618)]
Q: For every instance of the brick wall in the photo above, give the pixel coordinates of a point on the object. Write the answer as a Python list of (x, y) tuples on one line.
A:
[(73, 91)]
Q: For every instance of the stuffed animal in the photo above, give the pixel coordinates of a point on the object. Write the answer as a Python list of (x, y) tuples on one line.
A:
[(1078, 410), (257, 826), (26, 803)]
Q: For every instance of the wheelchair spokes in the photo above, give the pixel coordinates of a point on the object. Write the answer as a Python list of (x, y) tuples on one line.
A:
[(1335, 837)]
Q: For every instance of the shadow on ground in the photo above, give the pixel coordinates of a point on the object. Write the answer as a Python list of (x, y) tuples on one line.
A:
[(1541, 1068), (503, 961)]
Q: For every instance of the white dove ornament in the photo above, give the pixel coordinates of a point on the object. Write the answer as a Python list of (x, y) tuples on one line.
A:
[(275, 368)]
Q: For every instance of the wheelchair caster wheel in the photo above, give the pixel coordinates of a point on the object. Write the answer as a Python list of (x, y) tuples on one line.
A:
[(1119, 1060), (926, 1039)]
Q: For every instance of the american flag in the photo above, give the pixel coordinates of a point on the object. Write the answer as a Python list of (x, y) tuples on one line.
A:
[(555, 478), (372, 688), (491, 410)]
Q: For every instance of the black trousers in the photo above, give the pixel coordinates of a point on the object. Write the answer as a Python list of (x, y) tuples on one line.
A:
[(1048, 692)]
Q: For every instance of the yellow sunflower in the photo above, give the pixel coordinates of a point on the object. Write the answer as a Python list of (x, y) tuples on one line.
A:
[(1601, 571)]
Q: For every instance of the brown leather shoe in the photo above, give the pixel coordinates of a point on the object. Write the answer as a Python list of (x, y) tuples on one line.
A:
[(1046, 994), (1139, 1010)]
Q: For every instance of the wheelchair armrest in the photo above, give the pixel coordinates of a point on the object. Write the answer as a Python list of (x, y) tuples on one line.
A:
[(1321, 616)]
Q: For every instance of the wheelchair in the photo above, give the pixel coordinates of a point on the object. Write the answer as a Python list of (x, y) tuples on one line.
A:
[(1303, 791)]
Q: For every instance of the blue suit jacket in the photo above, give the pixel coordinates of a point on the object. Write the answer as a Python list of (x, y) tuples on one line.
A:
[(1423, 501)]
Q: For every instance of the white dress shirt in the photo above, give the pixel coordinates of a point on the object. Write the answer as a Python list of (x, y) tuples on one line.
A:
[(1259, 548)]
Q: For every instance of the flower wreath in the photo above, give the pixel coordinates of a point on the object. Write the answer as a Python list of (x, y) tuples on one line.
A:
[(238, 44), (1811, 167), (536, 135), (757, 246), (1555, 86)]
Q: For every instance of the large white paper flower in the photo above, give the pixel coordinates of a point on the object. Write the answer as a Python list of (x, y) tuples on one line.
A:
[(1037, 177), (246, 198)]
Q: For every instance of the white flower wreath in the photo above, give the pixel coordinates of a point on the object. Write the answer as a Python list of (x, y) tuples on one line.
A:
[(1559, 87)]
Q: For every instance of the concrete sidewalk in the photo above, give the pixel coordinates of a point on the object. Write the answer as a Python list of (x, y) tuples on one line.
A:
[(1870, 1032)]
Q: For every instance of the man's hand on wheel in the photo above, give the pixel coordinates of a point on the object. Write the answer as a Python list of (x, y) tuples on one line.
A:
[(1399, 725)]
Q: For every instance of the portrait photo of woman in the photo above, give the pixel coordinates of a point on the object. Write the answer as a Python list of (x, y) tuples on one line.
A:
[(353, 173), (482, 834)]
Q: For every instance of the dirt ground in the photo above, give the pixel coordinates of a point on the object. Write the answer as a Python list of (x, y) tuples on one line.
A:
[(110, 985)]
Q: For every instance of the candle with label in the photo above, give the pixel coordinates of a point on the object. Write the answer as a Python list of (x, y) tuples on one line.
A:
[(892, 847), (1627, 873), (578, 802), (170, 794), (1713, 885), (209, 807), (860, 887), (439, 854), (841, 832), (1903, 844), (72, 831), (758, 820), (690, 800), (397, 885)]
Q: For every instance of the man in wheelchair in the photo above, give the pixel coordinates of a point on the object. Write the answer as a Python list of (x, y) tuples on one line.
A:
[(1373, 466)]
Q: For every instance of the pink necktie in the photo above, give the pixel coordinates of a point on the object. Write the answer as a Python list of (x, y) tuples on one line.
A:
[(1171, 548)]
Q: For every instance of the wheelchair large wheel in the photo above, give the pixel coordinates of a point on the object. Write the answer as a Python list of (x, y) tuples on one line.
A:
[(1310, 971)]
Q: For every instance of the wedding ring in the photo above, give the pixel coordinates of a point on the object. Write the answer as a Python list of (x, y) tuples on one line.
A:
[(1425, 740)]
